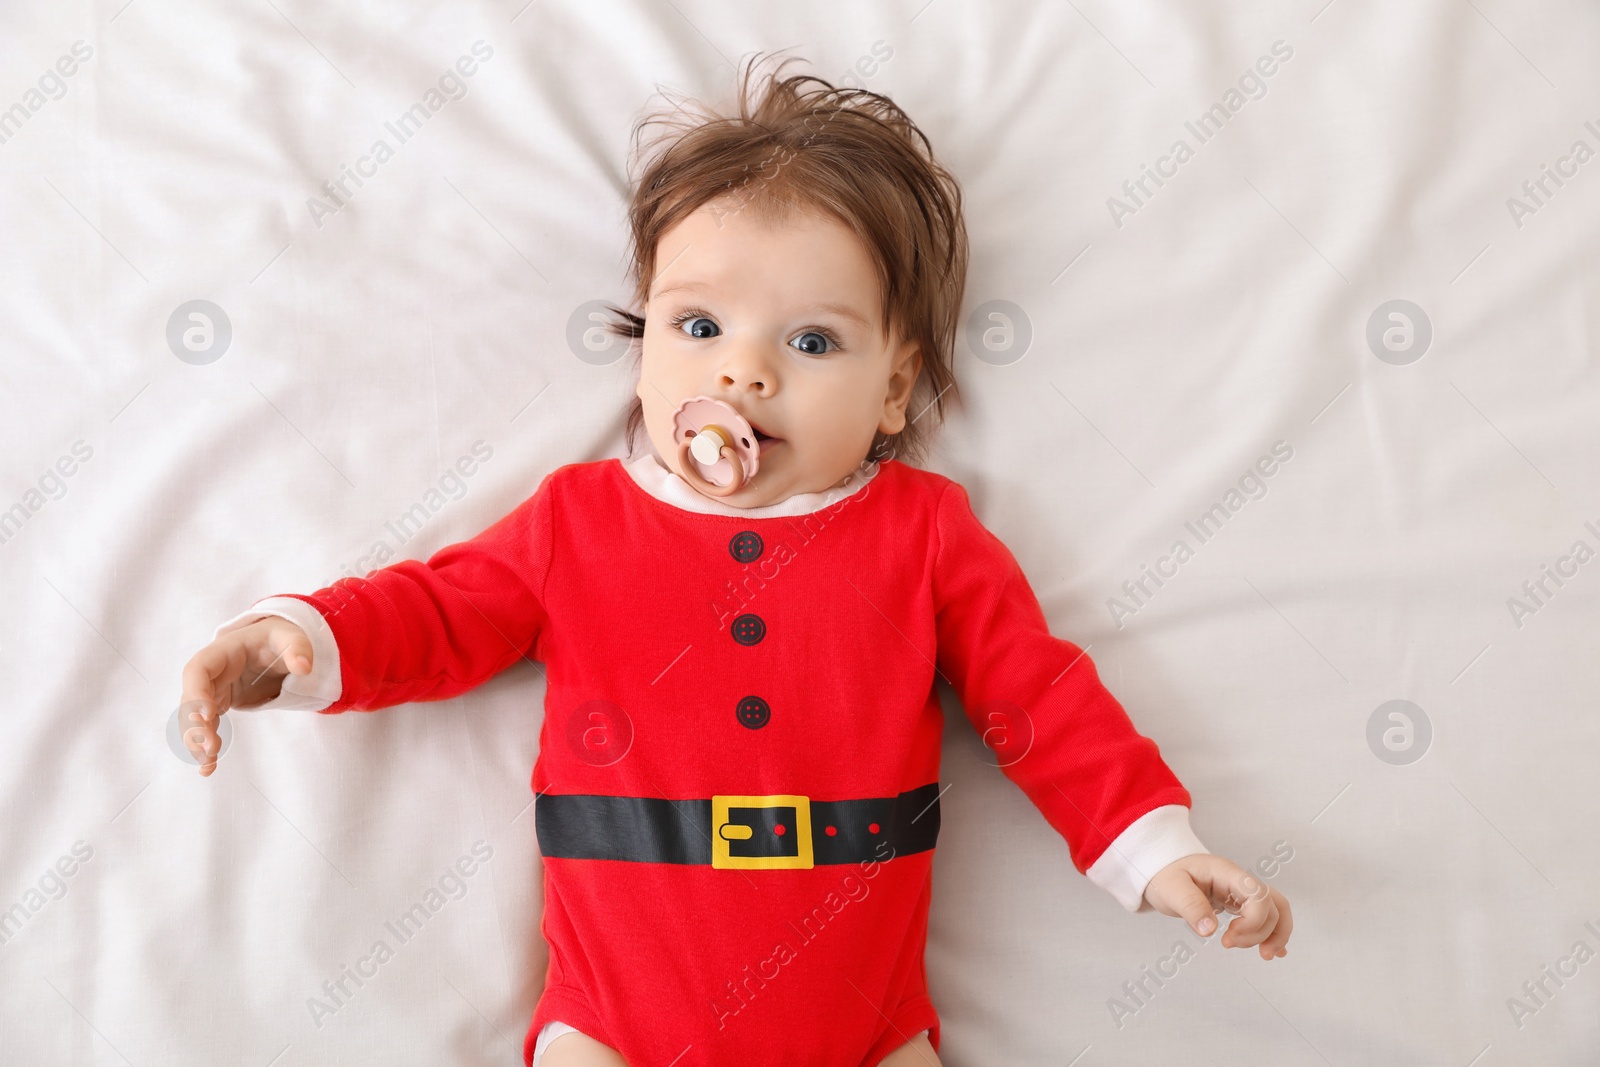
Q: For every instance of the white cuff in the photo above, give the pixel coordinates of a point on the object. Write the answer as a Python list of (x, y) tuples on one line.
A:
[(1150, 842), (301, 692)]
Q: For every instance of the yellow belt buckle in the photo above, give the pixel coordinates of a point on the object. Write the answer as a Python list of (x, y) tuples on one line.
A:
[(723, 831)]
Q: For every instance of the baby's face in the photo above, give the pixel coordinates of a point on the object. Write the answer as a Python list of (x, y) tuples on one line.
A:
[(782, 321)]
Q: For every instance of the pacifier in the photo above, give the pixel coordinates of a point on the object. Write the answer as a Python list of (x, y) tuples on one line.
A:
[(717, 449)]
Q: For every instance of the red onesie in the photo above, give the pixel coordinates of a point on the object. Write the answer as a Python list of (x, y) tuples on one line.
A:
[(737, 788)]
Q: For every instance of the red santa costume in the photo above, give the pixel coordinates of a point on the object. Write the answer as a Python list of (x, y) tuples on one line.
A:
[(737, 787)]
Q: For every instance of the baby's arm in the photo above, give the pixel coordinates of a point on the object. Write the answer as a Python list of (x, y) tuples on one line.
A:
[(1067, 742), (412, 631), (1057, 731)]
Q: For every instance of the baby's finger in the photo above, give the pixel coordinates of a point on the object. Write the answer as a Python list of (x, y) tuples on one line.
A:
[(1277, 943), (1194, 908), (1257, 917), (200, 736), (290, 642), (207, 693), (196, 731), (208, 674)]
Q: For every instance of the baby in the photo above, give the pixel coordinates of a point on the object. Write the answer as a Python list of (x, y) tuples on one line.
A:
[(737, 788)]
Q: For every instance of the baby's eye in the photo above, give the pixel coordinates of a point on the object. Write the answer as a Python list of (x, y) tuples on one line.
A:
[(812, 343), (700, 326)]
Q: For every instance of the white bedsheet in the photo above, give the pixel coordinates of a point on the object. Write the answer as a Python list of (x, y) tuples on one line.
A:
[(1167, 343)]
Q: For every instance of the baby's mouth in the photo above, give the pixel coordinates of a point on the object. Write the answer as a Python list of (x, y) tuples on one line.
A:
[(765, 441)]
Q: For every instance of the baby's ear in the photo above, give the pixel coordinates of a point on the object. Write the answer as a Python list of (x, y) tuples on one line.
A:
[(907, 366)]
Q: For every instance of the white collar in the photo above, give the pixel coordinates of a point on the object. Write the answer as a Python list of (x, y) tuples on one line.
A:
[(667, 486)]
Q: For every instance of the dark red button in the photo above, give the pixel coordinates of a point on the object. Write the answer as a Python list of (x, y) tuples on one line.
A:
[(749, 629), (746, 546), (753, 712)]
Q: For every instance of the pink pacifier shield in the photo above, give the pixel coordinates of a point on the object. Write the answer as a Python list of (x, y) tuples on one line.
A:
[(698, 412)]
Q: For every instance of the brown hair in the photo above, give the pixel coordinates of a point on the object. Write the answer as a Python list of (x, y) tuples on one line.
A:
[(849, 153)]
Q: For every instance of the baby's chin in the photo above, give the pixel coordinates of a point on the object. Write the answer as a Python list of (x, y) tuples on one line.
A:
[(768, 487)]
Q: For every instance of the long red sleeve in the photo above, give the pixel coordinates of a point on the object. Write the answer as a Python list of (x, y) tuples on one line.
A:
[(1037, 699), (430, 631)]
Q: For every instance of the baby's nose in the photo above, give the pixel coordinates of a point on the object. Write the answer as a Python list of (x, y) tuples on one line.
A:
[(736, 381), (747, 367)]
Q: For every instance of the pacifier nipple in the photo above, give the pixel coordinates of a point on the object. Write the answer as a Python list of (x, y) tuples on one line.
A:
[(717, 448)]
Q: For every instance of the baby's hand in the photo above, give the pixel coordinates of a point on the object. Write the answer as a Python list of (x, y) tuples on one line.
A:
[(1195, 886), (241, 668)]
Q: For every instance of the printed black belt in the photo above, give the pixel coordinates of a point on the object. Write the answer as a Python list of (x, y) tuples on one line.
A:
[(742, 832)]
